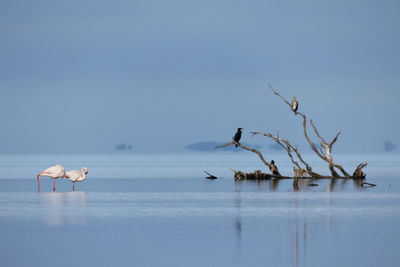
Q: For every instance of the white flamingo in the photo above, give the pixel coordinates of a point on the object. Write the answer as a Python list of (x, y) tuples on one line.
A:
[(76, 176), (53, 172)]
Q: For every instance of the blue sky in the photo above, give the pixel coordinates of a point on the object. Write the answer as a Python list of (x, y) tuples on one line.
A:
[(82, 76)]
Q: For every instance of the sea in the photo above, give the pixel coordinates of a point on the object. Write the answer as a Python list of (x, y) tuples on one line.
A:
[(159, 210)]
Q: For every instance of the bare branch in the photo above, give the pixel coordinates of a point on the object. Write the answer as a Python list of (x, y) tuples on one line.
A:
[(308, 167), (333, 172), (317, 133), (334, 139), (308, 138), (285, 144), (289, 152), (276, 93), (323, 140), (341, 169), (249, 149), (228, 144), (328, 147)]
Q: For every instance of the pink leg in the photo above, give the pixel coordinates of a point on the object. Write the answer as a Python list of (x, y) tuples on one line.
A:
[(54, 185), (73, 186), (38, 184)]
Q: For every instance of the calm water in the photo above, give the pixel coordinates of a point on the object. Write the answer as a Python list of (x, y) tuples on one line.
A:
[(158, 210)]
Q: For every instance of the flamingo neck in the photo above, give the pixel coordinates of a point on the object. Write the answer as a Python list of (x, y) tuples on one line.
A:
[(83, 173)]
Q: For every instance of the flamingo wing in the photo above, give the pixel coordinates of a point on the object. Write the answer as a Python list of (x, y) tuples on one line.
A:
[(73, 175), (54, 171)]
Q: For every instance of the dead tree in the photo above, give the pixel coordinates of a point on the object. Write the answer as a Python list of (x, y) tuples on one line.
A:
[(302, 170), (325, 151)]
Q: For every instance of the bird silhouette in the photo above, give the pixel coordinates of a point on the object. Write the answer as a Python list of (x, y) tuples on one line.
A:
[(237, 136)]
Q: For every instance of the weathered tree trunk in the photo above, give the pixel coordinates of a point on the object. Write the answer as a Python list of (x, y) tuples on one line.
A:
[(333, 172)]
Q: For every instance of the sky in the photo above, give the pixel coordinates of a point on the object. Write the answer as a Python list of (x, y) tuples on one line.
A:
[(83, 76)]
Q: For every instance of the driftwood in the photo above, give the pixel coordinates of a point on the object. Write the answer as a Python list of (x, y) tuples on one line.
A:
[(367, 184), (302, 170), (210, 176), (299, 183), (259, 175)]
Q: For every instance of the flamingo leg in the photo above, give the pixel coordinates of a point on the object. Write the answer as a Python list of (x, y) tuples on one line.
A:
[(73, 186), (54, 185), (38, 182)]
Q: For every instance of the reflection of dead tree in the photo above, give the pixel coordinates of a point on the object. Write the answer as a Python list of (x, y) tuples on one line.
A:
[(325, 151)]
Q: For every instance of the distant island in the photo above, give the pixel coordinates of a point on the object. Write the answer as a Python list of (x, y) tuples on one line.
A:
[(275, 147), (123, 147), (389, 146), (211, 146)]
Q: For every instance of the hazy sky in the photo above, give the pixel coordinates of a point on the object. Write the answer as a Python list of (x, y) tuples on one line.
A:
[(82, 76)]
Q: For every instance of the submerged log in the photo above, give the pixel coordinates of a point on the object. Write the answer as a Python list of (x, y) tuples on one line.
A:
[(259, 175), (358, 172), (256, 175), (210, 176)]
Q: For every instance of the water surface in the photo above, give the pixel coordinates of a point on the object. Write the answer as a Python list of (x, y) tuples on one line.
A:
[(115, 219)]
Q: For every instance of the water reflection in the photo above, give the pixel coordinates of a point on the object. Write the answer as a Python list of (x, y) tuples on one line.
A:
[(297, 222), (63, 207), (273, 184), (305, 184), (238, 220), (334, 200)]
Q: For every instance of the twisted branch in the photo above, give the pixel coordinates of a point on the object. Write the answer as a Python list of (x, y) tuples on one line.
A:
[(289, 148), (327, 156)]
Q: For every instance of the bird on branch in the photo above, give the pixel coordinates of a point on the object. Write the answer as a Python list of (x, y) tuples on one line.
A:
[(273, 168), (237, 136), (295, 105)]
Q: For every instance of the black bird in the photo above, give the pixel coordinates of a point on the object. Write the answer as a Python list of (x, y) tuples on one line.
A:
[(237, 136)]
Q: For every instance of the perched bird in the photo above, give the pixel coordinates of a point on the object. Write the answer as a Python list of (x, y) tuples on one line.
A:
[(273, 168), (237, 136), (76, 176), (53, 172), (295, 105)]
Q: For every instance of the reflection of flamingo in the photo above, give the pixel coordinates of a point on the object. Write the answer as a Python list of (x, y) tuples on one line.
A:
[(76, 176), (54, 172)]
